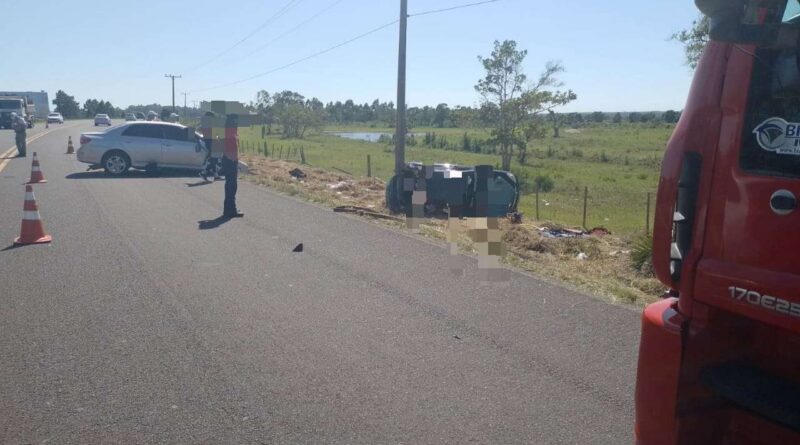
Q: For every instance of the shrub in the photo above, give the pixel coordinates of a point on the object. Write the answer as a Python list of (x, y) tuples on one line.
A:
[(544, 183), (642, 254)]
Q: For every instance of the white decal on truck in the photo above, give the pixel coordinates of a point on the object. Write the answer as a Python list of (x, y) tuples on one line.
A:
[(768, 302), (777, 135)]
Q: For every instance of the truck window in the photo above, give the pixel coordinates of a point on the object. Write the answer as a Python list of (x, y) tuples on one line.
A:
[(771, 139), (12, 104)]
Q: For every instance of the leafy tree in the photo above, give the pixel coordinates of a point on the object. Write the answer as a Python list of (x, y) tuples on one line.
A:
[(511, 105), (617, 118), (634, 117), (441, 116), (694, 40), (296, 114), (264, 106), (165, 112), (598, 117), (670, 116), (66, 105)]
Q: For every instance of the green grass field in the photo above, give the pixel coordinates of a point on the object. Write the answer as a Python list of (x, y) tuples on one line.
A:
[(619, 164)]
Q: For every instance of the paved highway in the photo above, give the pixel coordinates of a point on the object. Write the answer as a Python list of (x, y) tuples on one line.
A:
[(142, 324)]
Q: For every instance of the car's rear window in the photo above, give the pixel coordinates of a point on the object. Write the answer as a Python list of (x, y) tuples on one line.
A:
[(144, 131)]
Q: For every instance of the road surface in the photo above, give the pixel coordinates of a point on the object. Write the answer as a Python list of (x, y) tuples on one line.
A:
[(142, 324)]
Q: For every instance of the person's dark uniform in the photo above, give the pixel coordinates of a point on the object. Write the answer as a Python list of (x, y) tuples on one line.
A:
[(210, 167), (230, 167), (20, 128)]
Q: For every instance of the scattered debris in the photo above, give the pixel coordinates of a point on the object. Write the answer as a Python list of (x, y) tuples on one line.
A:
[(297, 173), (361, 211), (298, 248), (599, 231), (340, 185), (457, 337), (548, 232), (582, 256), (516, 217)]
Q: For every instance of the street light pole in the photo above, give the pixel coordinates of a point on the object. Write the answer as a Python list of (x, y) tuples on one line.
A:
[(173, 76), (400, 131)]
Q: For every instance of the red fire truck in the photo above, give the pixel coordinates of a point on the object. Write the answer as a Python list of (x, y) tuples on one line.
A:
[(719, 360)]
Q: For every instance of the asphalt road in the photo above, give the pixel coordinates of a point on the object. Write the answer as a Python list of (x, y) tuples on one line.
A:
[(139, 324)]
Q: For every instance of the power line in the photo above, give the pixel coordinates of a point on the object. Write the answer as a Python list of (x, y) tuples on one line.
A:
[(372, 31), (360, 36), (467, 5), (309, 20), (281, 12)]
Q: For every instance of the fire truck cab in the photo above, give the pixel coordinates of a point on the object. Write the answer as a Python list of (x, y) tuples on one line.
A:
[(719, 359)]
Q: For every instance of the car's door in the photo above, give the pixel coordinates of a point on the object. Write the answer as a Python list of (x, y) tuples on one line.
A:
[(180, 148), (142, 142)]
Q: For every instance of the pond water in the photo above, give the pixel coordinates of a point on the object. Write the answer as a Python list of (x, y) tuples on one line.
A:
[(366, 136)]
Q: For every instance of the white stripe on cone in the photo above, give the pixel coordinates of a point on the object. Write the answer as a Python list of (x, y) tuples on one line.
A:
[(31, 215), (35, 168), (29, 196)]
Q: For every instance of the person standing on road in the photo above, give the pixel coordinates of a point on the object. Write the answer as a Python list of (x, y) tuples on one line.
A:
[(230, 166), (211, 167), (20, 128)]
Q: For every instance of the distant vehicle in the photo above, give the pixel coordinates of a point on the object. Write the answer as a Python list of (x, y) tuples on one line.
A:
[(140, 116), (130, 117), (453, 186), (102, 119), (174, 117), (143, 145), (12, 104), (152, 116), (55, 118)]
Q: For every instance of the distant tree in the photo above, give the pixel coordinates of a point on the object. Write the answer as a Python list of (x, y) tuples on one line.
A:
[(297, 115), (617, 118), (575, 119), (66, 105), (598, 117), (165, 112), (264, 103), (647, 117), (511, 105), (634, 117), (670, 116), (694, 40), (441, 117)]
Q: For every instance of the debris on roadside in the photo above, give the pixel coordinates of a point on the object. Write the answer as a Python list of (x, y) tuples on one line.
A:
[(516, 217), (297, 173), (362, 211), (582, 256)]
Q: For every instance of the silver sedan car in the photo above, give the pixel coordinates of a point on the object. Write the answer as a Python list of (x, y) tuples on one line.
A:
[(145, 145)]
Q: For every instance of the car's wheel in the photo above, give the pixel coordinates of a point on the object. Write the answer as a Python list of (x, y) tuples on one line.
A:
[(116, 163)]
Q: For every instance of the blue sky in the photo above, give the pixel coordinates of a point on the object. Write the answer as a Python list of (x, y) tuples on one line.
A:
[(617, 54)]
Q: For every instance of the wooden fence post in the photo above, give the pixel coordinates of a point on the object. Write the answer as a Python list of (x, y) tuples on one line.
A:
[(585, 199), (647, 216), (369, 167), (280, 155), (537, 202), (302, 156)]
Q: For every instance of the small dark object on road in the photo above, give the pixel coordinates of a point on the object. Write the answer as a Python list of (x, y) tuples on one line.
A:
[(457, 337), (297, 173), (298, 248)]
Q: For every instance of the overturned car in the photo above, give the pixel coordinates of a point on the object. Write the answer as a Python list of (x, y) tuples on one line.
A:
[(478, 191)]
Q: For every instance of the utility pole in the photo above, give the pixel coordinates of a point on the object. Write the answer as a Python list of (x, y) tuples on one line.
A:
[(185, 110), (173, 76), (400, 131)]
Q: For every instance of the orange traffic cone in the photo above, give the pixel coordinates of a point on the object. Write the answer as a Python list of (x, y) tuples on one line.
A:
[(32, 230), (36, 173), (70, 148)]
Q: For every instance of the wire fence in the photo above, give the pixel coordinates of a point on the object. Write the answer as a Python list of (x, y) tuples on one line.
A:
[(622, 211)]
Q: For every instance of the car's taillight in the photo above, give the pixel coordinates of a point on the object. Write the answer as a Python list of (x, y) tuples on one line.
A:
[(85, 140)]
